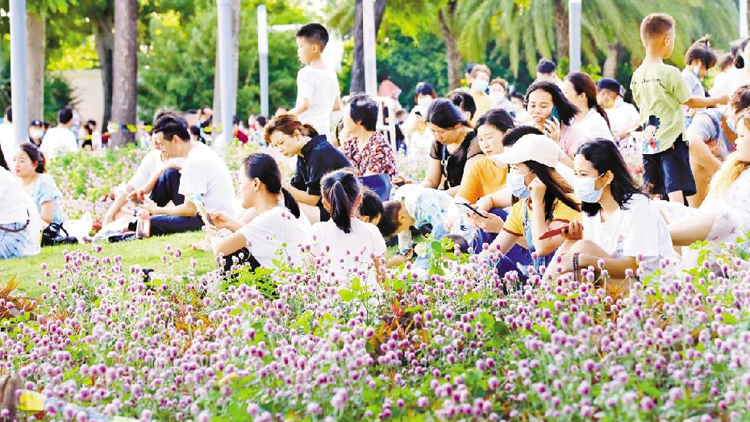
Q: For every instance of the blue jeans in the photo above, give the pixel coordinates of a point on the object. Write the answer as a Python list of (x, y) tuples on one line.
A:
[(515, 256), (165, 191)]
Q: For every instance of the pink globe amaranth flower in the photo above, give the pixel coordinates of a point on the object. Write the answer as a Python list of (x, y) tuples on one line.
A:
[(204, 416), (423, 402), (647, 404)]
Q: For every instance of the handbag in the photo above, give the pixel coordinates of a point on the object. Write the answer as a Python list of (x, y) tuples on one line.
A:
[(55, 234)]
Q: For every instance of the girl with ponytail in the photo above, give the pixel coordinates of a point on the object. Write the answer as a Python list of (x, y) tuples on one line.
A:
[(277, 229), (349, 245), (591, 118)]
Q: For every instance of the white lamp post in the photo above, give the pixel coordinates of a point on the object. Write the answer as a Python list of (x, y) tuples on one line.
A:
[(18, 71)]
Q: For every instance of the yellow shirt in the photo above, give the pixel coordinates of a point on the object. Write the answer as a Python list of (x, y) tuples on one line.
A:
[(514, 222), (483, 102), (483, 178)]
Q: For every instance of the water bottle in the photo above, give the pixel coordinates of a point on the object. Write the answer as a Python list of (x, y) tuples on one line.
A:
[(143, 226), (404, 241)]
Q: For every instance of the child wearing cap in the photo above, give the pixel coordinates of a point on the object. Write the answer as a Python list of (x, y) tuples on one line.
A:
[(542, 199)]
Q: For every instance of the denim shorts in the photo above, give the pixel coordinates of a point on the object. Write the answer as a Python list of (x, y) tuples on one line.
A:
[(12, 244), (669, 171)]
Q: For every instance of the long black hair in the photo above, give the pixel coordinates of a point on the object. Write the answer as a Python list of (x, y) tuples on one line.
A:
[(583, 84), (604, 156), (264, 168), (341, 189), (565, 109), (3, 164), (35, 156), (446, 115), (739, 61), (557, 189)]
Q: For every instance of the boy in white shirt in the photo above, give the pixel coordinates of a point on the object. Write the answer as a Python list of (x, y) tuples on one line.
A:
[(317, 85), (204, 176), (60, 139)]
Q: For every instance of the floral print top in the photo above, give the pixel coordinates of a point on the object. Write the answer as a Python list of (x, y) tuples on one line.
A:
[(376, 157)]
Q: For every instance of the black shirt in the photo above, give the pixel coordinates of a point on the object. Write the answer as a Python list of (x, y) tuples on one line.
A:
[(452, 165), (318, 158)]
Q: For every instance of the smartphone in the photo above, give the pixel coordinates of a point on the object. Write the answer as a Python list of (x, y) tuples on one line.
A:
[(474, 210), (204, 214), (554, 115)]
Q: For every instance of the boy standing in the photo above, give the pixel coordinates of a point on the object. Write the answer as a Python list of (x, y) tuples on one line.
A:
[(317, 85), (659, 91)]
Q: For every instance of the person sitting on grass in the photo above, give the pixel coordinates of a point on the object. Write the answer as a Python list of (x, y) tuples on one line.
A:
[(15, 220), (204, 178), (486, 176), (278, 227), (29, 165), (418, 207), (315, 157), (725, 214), (542, 202), (350, 246), (620, 222), (371, 208)]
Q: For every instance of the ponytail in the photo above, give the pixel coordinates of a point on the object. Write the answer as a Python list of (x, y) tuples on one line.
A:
[(309, 131), (264, 168), (36, 156), (599, 109), (290, 203), (583, 84), (288, 124), (341, 189)]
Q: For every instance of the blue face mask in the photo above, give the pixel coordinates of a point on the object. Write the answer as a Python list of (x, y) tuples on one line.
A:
[(518, 186), (585, 190)]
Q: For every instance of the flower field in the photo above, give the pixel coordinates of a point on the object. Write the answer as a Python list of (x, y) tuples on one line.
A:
[(457, 343)]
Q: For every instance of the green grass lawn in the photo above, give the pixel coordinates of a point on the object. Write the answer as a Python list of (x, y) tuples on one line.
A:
[(145, 253)]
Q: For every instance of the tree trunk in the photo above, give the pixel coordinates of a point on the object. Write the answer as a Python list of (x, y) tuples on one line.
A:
[(357, 82), (562, 42), (613, 58), (35, 36), (236, 27), (452, 55), (105, 45), (125, 73)]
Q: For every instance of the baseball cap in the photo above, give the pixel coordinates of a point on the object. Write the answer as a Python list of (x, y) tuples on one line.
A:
[(36, 123), (610, 84), (537, 148)]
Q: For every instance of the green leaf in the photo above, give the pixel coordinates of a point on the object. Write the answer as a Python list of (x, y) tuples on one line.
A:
[(646, 388), (729, 318), (346, 295)]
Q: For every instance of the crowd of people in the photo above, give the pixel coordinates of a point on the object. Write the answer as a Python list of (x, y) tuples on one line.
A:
[(533, 181)]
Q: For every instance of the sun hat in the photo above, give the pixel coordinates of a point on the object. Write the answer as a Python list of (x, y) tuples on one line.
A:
[(532, 147)]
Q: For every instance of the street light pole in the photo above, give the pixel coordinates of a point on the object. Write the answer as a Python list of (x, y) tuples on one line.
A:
[(18, 71), (574, 19), (743, 18), (225, 67), (368, 32), (263, 59)]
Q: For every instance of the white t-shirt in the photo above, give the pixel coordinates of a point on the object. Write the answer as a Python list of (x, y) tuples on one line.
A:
[(321, 88), (204, 173), (623, 116), (721, 84), (636, 231), (348, 252), (150, 164), (12, 199), (58, 140), (7, 144), (277, 230), (736, 79), (594, 126)]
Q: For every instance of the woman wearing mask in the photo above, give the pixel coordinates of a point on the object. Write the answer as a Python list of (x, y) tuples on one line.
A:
[(499, 94), (591, 118), (454, 149), (620, 223), (36, 132), (554, 115), (480, 81), (415, 126), (542, 199)]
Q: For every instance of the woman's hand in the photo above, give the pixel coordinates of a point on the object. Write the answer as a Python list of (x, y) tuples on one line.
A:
[(538, 189), (573, 231), (552, 129), (220, 220), (492, 223)]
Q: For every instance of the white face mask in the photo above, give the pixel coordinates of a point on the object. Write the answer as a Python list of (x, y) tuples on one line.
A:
[(497, 97), (479, 85), (424, 102), (619, 101), (36, 133)]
